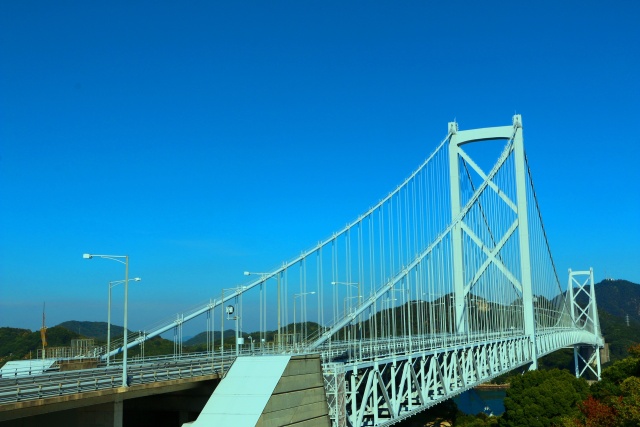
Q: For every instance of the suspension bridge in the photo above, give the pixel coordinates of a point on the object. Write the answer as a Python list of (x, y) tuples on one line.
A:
[(444, 284)]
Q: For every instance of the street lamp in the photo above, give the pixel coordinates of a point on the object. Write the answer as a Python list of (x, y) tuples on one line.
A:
[(294, 312), (387, 327), (231, 310), (359, 296), (344, 304), (353, 284), (263, 275), (117, 258), (111, 285)]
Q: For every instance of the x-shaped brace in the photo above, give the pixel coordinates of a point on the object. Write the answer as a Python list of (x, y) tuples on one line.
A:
[(491, 256)]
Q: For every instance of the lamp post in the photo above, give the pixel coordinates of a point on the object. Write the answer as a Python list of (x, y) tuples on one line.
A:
[(118, 258), (249, 273), (344, 310), (294, 313), (344, 304), (230, 310), (387, 327), (433, 301), (354, 284), (359, 296), (111, 285)]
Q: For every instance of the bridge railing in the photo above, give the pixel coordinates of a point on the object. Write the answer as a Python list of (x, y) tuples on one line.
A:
[(54, 384)]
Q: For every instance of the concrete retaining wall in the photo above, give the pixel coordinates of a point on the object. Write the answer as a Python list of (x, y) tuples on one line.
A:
[(299, 398)]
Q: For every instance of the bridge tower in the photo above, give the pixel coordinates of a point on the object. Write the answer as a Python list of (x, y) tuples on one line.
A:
[(462, 283), (585, 316)]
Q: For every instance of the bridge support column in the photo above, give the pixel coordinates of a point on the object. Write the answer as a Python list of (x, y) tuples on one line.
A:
[(587, 359), (528, 300), (104, 415), (118, 410), (457, 236), (183, 417)]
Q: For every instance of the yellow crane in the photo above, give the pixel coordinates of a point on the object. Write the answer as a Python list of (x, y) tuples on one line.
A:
[(43, 332)]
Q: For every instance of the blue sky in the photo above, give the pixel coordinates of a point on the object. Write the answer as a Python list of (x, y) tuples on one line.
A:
[(209, 138)]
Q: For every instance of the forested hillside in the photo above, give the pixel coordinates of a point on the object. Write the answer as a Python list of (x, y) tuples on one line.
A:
[(618, 298), (18, 343), (96, 330)]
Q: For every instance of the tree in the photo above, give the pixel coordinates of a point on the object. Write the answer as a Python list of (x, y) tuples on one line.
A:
[(634, 351), (614, 375), (542, 398), (479, 420), (628, 407), (615, 401), (597, 414)]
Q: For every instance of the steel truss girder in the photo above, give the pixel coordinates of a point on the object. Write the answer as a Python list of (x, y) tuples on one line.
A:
[(384, 391), (553, 339), (334, 386)]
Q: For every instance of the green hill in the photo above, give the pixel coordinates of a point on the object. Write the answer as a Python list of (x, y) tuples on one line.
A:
[(618, 298), (98, 331), (618, 335), (201, 338), (95, 330), (18, 343)]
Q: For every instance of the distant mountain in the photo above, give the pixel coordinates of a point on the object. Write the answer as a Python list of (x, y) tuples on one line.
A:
[(618, 298), (618, 334), (201, 338), (95, 330)]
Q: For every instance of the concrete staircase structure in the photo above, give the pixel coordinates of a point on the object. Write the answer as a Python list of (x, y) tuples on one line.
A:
[(269, 391)]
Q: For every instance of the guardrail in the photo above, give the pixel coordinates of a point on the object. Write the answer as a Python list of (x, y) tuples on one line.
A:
[(52, 384)]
